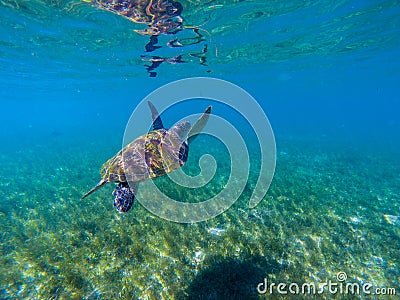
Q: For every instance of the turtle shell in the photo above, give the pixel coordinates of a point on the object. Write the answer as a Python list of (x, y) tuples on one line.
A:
[(149, 156)]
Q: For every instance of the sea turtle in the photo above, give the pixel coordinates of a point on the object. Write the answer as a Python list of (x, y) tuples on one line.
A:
[(151, 155)]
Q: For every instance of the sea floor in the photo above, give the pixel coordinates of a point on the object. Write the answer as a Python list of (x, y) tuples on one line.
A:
[(329, 210)]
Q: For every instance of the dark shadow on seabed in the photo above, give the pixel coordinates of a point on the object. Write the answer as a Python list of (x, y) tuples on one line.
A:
[(231, 278)]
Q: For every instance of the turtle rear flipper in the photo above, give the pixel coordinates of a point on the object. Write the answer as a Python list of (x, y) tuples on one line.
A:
[(99, 185), (199, 125), (157, 123), (124, 196)]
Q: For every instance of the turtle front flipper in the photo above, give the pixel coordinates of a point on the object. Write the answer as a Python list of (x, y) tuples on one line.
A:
[(124, 196), (99, 185)]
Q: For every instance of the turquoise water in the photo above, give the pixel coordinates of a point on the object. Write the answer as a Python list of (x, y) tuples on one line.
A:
[(326, 74)]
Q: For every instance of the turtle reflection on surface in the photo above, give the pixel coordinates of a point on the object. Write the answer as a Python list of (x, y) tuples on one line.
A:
[(161, 17), (156, 61)]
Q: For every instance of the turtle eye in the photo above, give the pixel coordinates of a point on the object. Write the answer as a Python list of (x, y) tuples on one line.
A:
[(178, 7)]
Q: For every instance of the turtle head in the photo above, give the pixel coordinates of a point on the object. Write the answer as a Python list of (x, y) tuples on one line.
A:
[(124, 197)]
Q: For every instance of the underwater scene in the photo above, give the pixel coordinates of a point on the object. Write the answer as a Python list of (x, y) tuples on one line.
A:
[(285, 184)]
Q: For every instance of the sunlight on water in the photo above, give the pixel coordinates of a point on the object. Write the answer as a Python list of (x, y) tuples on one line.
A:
[(84, 41)]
